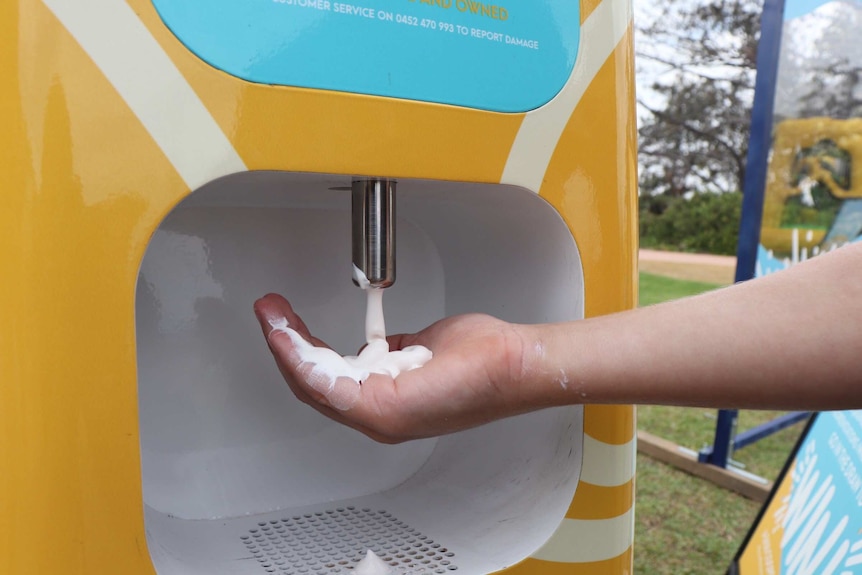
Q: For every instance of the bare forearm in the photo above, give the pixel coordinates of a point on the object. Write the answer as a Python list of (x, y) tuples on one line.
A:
[(791, 340)]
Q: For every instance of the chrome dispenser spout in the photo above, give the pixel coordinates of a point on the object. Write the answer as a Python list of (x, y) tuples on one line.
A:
[(374, 230)]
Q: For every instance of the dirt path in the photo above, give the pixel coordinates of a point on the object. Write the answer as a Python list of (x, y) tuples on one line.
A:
[(696, 267)]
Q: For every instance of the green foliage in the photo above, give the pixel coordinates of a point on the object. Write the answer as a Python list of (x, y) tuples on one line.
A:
[(707, 222), (820, 216), (797, 214)]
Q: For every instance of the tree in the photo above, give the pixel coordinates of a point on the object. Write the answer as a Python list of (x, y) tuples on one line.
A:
[(820, 64), (695, 115), (835, 90)]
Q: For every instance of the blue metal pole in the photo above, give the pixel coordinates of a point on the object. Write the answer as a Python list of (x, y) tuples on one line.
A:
[(758, 432), (754, 184), (760, 138), (722, 445)]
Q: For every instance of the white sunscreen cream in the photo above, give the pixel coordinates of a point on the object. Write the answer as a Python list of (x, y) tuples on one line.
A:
[(337, 377), (371, 564)]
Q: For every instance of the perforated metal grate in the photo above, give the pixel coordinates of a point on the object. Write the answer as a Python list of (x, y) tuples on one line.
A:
[(333, 541)]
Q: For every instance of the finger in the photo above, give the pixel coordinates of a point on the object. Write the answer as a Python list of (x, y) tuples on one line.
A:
[(273, 309), (341, 399), (401, 340), (287, 336), (303, 367), (311, 388), (275, 314), (355, 417), (430, 337)]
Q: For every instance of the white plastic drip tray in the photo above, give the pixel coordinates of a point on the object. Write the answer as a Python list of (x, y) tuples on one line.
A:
[(318, 540), (333, 541)]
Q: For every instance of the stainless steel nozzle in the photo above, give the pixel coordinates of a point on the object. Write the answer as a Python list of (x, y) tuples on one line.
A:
[(374, 230)]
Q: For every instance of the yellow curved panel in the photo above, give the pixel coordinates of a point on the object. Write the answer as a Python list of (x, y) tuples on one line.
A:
[(598, 199), (614, 424), (354, 134), (621, 565), (599, 502), (587, 7), (91, 185)]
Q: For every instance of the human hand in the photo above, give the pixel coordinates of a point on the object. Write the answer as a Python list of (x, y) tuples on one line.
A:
[(472, 378)]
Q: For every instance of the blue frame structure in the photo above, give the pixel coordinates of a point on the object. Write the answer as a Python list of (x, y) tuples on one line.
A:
[(760, 142), (760, 138), (727, 441)]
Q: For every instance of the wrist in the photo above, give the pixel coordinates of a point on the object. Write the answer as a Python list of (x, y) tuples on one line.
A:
[(542, 376), (559, 364)]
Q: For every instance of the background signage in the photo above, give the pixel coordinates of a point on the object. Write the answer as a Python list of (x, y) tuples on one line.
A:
[(812, 523)]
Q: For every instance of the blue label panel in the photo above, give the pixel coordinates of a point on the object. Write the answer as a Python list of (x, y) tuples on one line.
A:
[(822, 519), (509, 57)]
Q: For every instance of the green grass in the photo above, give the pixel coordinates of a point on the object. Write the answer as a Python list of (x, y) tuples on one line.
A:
[(686, 525), (656, 289)]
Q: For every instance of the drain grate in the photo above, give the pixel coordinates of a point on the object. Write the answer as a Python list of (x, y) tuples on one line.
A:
[(333, 541)]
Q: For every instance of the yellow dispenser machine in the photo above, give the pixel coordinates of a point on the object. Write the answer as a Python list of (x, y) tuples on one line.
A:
[(166, 162)]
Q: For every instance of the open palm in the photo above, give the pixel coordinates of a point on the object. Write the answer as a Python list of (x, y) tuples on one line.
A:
[(471, 379)]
